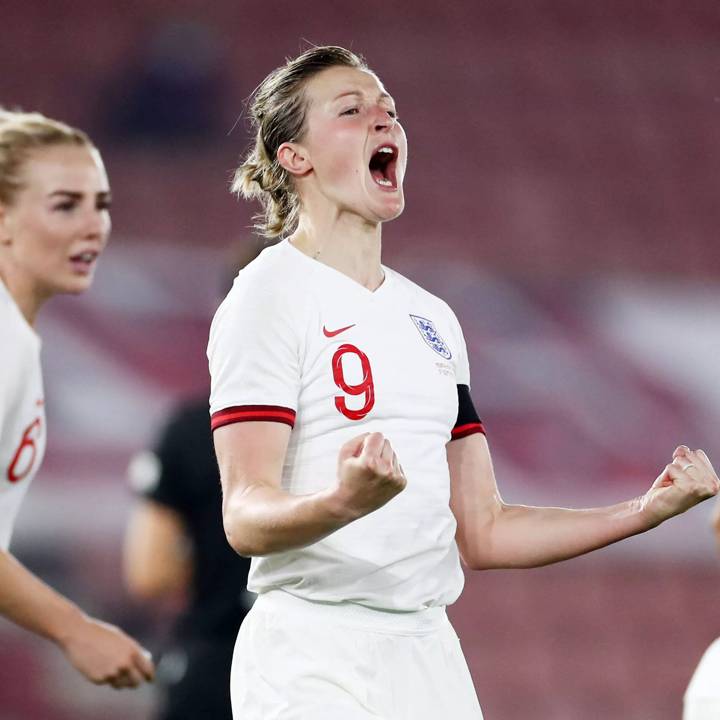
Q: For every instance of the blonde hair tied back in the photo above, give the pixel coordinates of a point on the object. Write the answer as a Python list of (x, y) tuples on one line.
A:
[(20, 134)]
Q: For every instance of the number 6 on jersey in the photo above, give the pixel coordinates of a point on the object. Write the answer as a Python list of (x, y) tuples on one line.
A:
[(365, 387)]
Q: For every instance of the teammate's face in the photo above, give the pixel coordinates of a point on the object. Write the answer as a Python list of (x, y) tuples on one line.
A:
[(59, 221), (354, 143)]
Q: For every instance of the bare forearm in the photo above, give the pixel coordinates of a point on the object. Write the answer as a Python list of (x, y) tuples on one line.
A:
[(265, 519), (157, 554), (29, 602), (492, 534), (520, 536)]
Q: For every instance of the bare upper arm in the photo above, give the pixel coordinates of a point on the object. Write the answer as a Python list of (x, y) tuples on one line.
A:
[(474, 496), (250, 453)]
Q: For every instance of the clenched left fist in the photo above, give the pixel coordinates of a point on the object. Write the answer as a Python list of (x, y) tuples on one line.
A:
[(689, 479)]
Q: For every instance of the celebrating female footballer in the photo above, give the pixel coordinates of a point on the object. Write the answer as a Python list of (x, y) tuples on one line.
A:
[(354, 466), (54, 223)]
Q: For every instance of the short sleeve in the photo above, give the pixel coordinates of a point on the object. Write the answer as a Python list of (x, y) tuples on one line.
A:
[(254, 355)]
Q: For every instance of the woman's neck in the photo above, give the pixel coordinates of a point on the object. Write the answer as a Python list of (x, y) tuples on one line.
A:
[(22, 292), (351, 246)]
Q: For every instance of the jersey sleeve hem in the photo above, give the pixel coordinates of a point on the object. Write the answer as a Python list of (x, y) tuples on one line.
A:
[(252, 413), (461, 431)]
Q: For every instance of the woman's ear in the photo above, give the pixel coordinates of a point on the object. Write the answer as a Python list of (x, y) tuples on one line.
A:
[(292, 157)]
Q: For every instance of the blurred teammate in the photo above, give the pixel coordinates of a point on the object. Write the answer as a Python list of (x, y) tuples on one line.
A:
[(175, 544), (702, 698), (54, 224), (353, 463)]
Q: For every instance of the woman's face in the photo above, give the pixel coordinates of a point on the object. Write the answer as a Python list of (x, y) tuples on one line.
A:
[(354, 143), (59, 221)]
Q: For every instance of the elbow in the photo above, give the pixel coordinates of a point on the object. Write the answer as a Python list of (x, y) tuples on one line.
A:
[(477, 561), (241, 538), (473, 564), (248, 532), (474, 552), (235, 540), (478, 540)]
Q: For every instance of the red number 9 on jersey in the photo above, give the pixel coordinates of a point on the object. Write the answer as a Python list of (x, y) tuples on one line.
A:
[(26, 452), (365, 387)]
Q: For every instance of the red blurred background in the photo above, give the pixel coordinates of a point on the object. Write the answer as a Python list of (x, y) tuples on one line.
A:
[(562, 196)]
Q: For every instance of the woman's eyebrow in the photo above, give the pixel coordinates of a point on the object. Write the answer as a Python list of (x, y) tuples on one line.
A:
[(74, 195), (67, 193), (358, 93)]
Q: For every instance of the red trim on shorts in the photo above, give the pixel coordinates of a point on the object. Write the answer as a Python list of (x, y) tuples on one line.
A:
[(461, 431), (250, 413)]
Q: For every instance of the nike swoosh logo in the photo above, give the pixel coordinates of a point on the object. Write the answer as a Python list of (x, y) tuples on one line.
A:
[(333, 333)]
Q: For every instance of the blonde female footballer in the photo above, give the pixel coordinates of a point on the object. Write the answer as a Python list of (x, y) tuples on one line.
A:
[(355, 469), (54, 223)]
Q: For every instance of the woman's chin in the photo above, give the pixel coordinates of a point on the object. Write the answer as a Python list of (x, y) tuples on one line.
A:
[(76, 285), (390, 206)]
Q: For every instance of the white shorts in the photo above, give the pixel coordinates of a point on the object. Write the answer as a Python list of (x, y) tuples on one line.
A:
[(702, 698), (299, 660)]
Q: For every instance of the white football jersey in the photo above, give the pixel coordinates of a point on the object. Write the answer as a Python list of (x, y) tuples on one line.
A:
[(22, 413), (298, 342)]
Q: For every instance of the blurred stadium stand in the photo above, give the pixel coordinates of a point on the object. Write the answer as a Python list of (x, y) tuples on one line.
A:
[(561, 195)]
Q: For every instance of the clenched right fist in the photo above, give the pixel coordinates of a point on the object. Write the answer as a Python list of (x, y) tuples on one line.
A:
[(369, 474)]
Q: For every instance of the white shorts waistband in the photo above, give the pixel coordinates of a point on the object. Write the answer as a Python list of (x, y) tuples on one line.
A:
[(419, 622)]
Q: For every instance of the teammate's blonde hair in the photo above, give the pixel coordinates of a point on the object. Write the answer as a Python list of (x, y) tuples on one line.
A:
[(20, 134), (278, 115)]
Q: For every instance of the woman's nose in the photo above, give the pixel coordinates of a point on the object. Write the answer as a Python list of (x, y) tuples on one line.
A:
[(382, 119), (97, 226)]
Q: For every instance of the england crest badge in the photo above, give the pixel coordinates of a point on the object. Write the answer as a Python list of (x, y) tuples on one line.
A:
[(431, 336)]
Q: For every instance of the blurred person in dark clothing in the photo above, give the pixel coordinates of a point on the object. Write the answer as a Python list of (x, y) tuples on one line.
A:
[(702, 699), (175, 545), (175, 549)]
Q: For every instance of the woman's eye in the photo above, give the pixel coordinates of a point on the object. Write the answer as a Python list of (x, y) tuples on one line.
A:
[(104, 205), (65, 206), (351, 111), (393, 114)]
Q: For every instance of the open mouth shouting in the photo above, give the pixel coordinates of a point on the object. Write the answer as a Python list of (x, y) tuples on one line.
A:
[(82, 263), (382, 166)]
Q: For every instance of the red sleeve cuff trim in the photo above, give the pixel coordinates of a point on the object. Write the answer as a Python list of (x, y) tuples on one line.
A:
[(249, 413), (461, 431)]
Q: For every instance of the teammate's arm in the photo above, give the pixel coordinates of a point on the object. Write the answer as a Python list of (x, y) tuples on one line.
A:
[(101, 652), (494, 534), (261, 518), (157, 559)]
